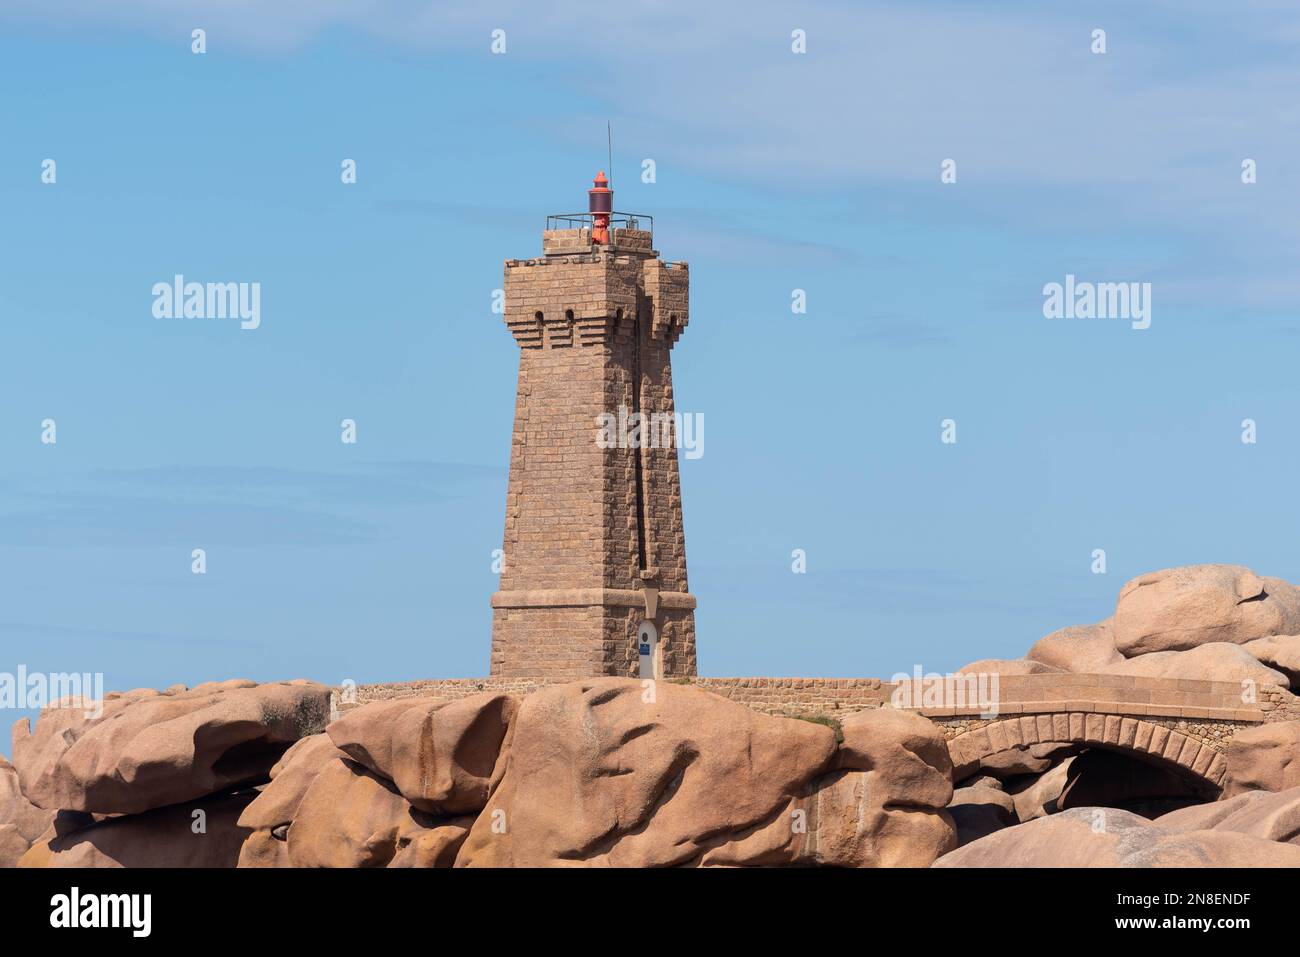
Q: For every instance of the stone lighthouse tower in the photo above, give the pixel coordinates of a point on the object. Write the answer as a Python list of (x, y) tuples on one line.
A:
[(594, 574)]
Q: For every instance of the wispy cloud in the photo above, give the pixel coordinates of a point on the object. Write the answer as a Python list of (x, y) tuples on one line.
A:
[(1148, 138), (899, 332), (882, 590), (20, 630), (224, 505)]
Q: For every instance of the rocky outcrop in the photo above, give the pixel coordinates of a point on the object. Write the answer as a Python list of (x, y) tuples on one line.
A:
[(21, 822), (1199, 622), (1216, 848), (1074, 839), (150, 779), (607, 772), (1273, 816), (203, 833), (441, 756), (1020, 761), (1203, 817), (1265, 757), (1279, 652), (1013, 762), (1216, 661), (1180, 608), (1007, 666), (979, 811), (880, 806), (351, 817), (269, 816), (148, 749), (1081, 649), (619, 772), (899, 767), (390, 784), (610, 772), (1038, 797), (1107, 837), (1219, 623)]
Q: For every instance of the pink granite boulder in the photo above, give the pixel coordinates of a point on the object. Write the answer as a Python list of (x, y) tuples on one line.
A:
[(1080, 649), (1216, 661), (21, 822), (1108, 837), (1180, 608), (614, 772), (194, 834), (149, 749), (1265, 757), (441, 755)]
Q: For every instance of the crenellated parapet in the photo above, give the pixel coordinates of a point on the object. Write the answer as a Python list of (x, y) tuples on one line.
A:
[(667, 286), (569, 301), (581, 300)]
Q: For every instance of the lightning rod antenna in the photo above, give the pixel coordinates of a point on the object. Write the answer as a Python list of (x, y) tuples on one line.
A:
[(609, 139)]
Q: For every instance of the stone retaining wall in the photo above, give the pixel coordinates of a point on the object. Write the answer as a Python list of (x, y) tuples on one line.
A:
[(449, 688), (1278, 704), (801, 696), (1213, 702), (790, 696)]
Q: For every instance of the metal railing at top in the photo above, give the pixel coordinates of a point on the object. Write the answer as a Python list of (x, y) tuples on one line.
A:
[(617, 220)]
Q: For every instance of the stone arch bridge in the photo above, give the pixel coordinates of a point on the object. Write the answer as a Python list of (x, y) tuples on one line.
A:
[(1159, 741), (1185, 725)]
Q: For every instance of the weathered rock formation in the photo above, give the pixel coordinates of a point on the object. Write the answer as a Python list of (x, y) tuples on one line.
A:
[(1272, 815), (1200, 622), (979, 811), (1180, 608), (1279, 652), (441, 756), (148, 748), (21, 822), (1108, 837), (201, 833), (597, 774), (1082, 649), (603, 772), (1265, 758), (624, 773), (1215, 661), (1101, 807), (1008, 666)]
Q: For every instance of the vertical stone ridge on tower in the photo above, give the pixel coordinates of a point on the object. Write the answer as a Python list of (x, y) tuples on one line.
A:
[(594, 576)]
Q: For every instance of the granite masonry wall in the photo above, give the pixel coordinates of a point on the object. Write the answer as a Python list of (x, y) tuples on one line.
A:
[(1215, 703)]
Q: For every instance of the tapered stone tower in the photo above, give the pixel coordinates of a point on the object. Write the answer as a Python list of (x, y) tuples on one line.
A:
[(594, 575)]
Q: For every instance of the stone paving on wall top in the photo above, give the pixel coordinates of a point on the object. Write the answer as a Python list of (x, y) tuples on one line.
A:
[(1016, 694)]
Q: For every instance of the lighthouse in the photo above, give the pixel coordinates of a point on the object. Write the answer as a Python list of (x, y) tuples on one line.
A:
[(593, 578)]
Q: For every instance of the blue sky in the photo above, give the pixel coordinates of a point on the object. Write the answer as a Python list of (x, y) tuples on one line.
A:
[(774, 172)]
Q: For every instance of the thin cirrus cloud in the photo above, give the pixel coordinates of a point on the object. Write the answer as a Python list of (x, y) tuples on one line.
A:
[(227, 505), (691, 232), (883, 91), (34, 632), (899, 332), (886, 591), (1151, 134), (117, 523)]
